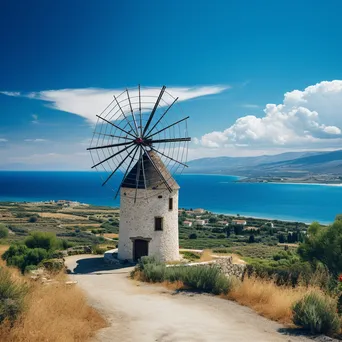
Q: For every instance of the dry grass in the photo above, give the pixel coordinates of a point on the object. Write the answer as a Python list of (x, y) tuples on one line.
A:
[(110, 235), (3, 249), (54, 313), (62, 216), (206, 255), (267, 299)]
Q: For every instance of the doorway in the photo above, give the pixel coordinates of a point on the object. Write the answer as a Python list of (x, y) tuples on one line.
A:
[(140, 249)]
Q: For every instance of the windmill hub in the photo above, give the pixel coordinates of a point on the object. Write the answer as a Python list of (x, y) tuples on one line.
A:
[(148, 152)]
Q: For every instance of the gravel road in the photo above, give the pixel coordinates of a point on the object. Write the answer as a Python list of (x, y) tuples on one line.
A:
[(140, 312)]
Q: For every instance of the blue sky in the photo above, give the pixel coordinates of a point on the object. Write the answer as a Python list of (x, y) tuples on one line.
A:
[(271, 69)]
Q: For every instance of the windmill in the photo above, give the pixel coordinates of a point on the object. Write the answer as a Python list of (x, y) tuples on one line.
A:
[(139, 152)]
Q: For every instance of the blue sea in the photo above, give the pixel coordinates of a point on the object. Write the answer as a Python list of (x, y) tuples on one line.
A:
[(217, 193)]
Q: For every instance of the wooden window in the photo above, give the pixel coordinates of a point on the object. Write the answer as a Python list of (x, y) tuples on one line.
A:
[(158, 223), (170, 203)]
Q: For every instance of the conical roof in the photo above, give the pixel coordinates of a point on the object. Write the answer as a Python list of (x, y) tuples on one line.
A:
[(148, 172)]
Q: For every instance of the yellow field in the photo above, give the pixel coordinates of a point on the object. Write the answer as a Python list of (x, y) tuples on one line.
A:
[(62, 216), (111, 235), (90, 224), (104, 212)]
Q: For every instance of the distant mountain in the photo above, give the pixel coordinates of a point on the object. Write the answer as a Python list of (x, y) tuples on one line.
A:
[(285, 164)]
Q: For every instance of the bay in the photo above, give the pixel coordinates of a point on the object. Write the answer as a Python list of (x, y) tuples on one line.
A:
[(217, 193)]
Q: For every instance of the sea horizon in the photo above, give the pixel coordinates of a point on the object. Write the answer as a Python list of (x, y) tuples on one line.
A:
[(216, 193)]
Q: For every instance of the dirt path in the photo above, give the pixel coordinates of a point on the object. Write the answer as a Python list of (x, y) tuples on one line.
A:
[(146, 313)]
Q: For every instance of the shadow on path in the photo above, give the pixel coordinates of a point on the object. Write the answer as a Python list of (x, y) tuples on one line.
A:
[(94, 265), (301, 332)]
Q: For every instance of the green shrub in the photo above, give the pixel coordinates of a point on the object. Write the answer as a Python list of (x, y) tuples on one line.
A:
[(47, 241), (3, 232), (33, 219), (318, 313), (11, 297), (21, 256), (199, 278), (98, 250), (53, 265), (191, 255)]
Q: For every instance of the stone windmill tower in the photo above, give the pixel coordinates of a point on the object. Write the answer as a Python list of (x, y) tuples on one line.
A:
[(133, 140)]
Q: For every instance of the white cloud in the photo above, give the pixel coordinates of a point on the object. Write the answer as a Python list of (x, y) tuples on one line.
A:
[(35, 118), (10, 93), (3, 140), (250, 106), (307, 118), (90, 102), (35, 140)]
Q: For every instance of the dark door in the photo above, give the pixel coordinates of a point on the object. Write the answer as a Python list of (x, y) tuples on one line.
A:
[(140, 249)]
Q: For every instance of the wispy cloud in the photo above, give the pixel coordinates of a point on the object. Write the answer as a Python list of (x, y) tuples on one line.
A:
[(3, 140), (248, 105), (35, 118), (10, 93), (88, 102), (35, 140)]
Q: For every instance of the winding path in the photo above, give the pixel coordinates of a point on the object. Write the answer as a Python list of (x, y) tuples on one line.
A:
[(146, 313)]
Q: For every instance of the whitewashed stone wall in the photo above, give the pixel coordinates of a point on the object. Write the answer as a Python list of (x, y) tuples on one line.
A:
[(137, 221)]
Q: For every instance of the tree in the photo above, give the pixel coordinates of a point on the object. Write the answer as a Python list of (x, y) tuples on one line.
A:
[(3, 232), (314, 229), (251, 239), (193, 236), (324, 245), (33, 219), (227, 230), (212, 219), (338, 217), (281, 238), (238, 228)]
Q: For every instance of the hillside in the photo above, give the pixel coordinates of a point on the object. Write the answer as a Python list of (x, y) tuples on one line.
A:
[(285, 164)]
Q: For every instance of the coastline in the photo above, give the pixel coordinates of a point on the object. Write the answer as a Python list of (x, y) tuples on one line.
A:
[(216, 212)]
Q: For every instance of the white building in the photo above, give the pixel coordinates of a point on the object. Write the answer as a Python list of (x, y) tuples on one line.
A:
[(150, 225), (200, 222)]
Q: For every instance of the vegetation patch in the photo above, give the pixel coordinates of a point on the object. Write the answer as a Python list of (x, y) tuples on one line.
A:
[(197, 278), (317, 313)]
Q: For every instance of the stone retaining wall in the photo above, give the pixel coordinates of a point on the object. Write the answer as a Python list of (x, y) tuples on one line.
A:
[(225, 264)]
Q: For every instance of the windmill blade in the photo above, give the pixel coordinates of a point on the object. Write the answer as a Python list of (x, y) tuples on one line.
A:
[(175, 123), (121, 129), (140, 112), (143, 172), (117, 168), (123, 113), (154, 109), (129, 165), (168, 157), (108, 146), (158, 171), (132, 113), (111, 135), (168, 140), (161, 117), (137, 178), (123, 150)]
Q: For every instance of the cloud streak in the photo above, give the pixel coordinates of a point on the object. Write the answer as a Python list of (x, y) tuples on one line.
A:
[(89, 102)]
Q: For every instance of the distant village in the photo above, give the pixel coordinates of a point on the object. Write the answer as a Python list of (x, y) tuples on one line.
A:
[(201, 217)]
